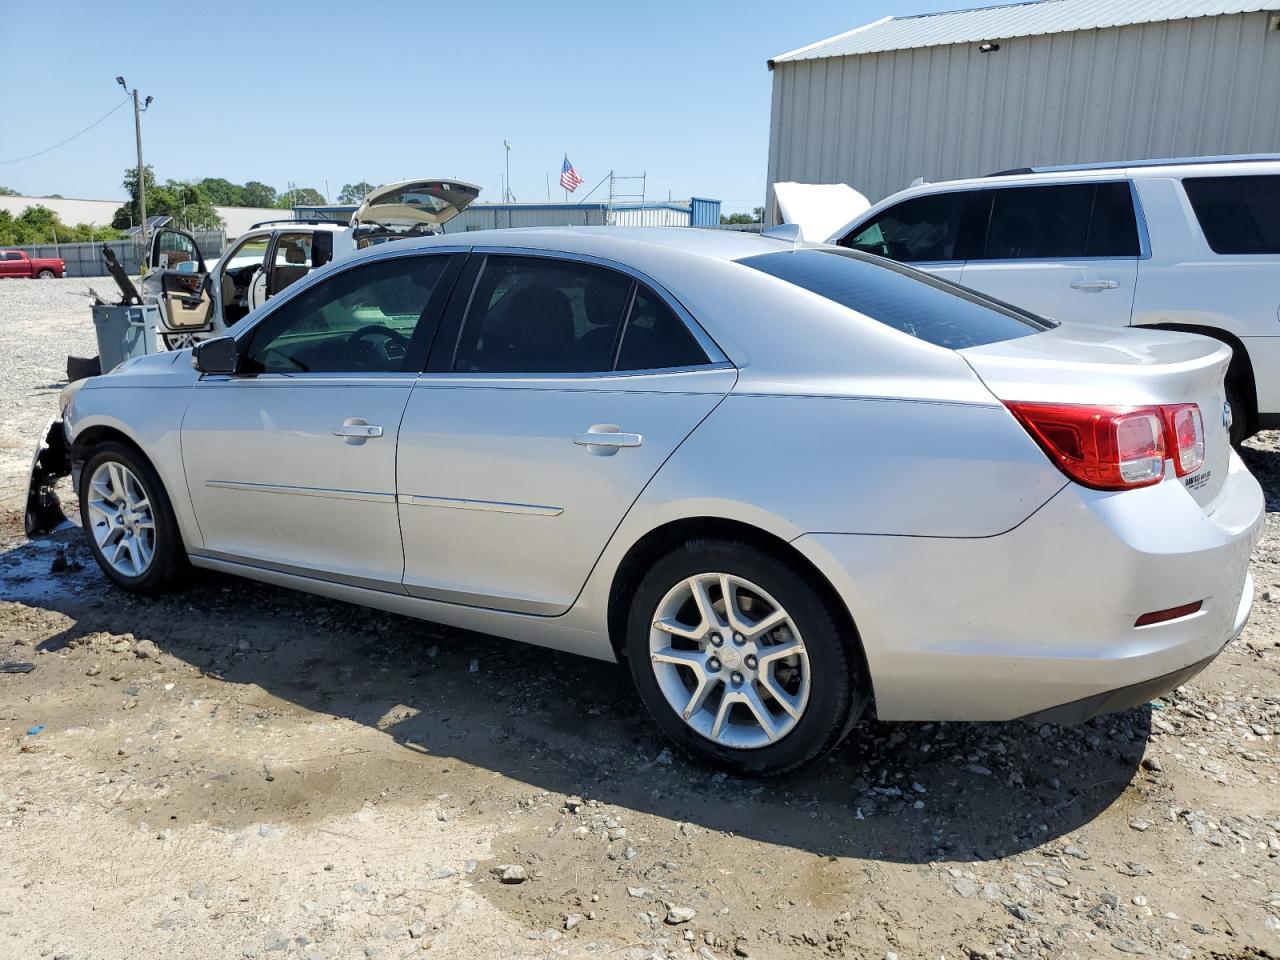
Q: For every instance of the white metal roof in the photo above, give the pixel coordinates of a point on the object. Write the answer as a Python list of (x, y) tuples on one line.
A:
[(1012, 20)]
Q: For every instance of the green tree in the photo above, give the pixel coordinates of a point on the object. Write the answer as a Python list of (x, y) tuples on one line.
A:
[(6, 192), (256, 194), (222, 192), (757, 214), (736, 218), (354, 192), (182, 201), (39, 224)]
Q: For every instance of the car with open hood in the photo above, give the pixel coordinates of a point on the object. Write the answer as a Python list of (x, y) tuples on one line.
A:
[(198, 299)]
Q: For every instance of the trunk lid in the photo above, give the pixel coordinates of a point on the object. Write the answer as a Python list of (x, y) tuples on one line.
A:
[(415, 203), (1084, 364)]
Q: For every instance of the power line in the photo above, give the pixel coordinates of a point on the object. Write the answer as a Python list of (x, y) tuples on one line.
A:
[(39, 153)]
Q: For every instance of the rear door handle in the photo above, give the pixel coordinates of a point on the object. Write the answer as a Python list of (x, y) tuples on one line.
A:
[(1095, 284), (356, 430), (605, 439)]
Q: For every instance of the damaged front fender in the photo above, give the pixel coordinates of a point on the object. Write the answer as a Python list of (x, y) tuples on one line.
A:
[(51, 463)]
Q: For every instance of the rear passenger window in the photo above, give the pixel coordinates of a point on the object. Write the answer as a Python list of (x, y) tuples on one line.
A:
[(655, 338), (916, 230), (1056, 222), (1237, 214), (537, 315)]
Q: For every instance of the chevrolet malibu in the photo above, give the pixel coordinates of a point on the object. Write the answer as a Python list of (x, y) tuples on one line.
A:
[(785, 484)]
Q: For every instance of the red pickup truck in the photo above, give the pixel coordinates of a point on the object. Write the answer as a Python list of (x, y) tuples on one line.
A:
[(15, 263)]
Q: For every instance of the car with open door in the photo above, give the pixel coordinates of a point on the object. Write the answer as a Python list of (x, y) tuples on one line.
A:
[(197, 300), (788, 484)]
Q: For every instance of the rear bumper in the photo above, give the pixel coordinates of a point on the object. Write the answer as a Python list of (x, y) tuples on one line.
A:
[(1041, 619)]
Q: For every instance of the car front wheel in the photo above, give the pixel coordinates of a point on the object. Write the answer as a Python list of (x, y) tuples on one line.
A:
[(46, 274), (742, 662), (128, 520)]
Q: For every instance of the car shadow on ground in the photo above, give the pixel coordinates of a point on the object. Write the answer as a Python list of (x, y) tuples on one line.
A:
[(1264, 463), (911, 793)]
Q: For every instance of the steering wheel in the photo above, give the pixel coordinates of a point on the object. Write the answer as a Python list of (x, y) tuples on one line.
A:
[(390, 350)]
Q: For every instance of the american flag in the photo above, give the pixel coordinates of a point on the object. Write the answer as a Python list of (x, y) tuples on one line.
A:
[(569, 178)]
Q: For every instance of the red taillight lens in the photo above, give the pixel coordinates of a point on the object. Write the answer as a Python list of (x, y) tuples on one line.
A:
[(1186, 430), (1108, 448)]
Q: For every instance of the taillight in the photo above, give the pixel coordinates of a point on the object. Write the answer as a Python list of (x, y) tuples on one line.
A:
[(1115, 448), (1186, 429)]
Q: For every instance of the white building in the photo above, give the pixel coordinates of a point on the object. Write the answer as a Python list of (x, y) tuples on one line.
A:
[(98, 213), (971, 92)]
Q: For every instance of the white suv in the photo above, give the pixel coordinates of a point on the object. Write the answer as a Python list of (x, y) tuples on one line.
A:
[(1188, 245), (198, 300)]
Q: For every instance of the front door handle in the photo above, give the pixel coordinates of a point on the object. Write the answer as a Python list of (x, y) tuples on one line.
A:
[(1092, 285), (355, 430), (606, 439)]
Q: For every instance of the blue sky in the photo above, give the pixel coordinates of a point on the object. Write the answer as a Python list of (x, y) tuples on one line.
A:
[(380, 91)]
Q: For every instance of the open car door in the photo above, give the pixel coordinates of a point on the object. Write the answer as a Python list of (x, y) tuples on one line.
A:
[(819, 209), (408, 207), (176, 282)]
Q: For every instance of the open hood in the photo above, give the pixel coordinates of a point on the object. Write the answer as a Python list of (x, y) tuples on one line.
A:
[(413, 203), (819, 209)]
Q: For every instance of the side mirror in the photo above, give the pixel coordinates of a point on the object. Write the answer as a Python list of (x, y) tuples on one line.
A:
[(219, 355)]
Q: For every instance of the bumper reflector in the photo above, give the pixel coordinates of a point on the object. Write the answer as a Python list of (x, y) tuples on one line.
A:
[(1173, 613)]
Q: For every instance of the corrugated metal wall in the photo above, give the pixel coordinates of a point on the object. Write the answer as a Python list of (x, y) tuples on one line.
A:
[(650, 217), (704, 212), (878, 121)]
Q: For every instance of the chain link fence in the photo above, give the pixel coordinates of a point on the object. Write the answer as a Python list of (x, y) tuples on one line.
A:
[(85, 259)]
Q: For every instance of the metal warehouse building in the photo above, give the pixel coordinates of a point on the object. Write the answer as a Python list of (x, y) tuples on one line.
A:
[(970, 92), (697, 212)]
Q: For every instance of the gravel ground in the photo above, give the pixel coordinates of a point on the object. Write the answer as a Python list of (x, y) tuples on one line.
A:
[(244, 771), (41, 321)]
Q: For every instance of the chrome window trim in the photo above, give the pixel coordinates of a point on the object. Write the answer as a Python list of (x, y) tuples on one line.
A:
[(1052, 260), (704, 340), (503, 379), (392, 378)]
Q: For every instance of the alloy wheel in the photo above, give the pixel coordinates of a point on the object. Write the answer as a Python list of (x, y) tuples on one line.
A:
[(121, 519), (729, 660)]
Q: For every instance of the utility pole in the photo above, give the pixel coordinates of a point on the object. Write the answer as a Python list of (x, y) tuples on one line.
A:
[(506, 193), (138, 110)]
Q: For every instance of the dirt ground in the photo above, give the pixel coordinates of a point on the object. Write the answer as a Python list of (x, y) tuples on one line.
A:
[(241, 770)]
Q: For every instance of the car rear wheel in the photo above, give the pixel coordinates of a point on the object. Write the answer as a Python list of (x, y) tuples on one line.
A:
[(46, 274), (178, 341), (128, 520), (741, 661)]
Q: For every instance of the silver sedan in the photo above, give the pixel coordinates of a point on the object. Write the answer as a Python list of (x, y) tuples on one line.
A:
[(786, 484)]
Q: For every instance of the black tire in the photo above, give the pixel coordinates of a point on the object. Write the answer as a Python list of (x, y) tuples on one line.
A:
[(169, 564), (46, 275), (1241, 412), (837, 689)]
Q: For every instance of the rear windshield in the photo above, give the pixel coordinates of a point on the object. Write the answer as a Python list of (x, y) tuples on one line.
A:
[(914, 302)]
